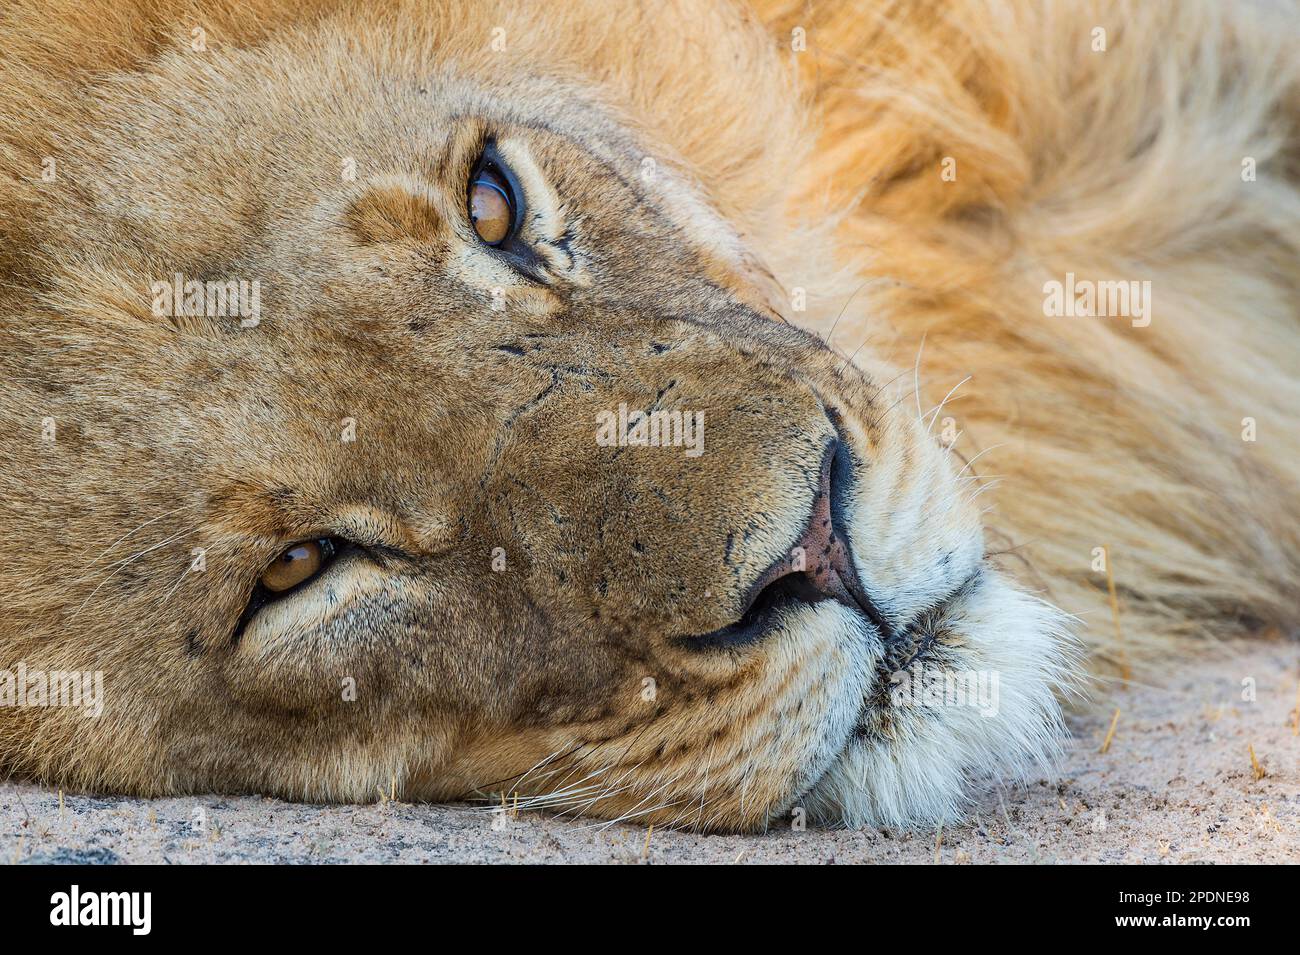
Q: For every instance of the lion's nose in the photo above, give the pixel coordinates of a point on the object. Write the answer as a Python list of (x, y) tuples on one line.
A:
[(823, 554), (818, 567)]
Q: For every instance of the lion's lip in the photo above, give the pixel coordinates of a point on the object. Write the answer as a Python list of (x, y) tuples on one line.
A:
[(762, 614)]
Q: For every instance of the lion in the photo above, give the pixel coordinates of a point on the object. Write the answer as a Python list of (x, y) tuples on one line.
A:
[(705, 414)]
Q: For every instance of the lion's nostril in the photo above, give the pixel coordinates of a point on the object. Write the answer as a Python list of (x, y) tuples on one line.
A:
[(833, 573), (820, 537)]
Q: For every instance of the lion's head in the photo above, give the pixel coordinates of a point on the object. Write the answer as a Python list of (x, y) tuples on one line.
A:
[(506, 470)]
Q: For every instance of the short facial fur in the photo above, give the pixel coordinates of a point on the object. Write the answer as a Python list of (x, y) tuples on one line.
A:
[(518, 607)]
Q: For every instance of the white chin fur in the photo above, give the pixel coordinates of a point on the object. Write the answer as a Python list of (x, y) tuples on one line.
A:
[(927, 758)]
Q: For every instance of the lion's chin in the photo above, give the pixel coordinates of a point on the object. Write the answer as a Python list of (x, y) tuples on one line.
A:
[(972, 702)]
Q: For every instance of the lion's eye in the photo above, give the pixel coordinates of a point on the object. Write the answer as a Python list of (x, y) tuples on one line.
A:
[(492, 205), (297, 564)]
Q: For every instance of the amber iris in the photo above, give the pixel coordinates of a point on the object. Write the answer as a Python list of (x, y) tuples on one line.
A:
[(491, 206), (296, 564)]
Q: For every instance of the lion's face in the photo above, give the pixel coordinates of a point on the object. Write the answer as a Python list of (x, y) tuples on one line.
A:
[(519, 598)]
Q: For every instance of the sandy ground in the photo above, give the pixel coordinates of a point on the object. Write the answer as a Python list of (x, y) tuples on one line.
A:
[(1176, 785)]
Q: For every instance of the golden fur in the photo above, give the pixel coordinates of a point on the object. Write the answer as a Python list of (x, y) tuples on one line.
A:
[(1123, 164), (797, 153)]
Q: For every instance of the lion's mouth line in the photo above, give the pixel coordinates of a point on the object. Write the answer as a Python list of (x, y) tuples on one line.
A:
[(905, 644), (764, 611)]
